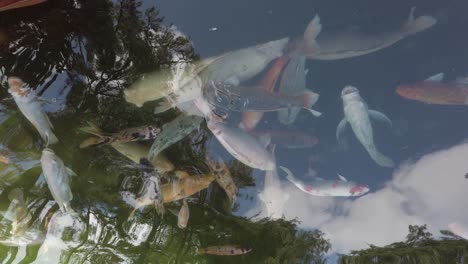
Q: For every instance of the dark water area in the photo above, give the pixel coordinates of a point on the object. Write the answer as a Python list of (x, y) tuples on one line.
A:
[(83, 57)]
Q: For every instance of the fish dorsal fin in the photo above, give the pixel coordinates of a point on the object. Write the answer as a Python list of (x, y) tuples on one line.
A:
[(342, 178), (436, 77), (462, 80)]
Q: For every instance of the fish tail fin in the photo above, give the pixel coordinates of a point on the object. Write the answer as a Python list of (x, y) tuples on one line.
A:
[(67, 209), (380, 158), (51, 138), (415, 25), (201, 251), (92, 129), (132, 214), (250, 120), (160, 208), (308, 99), (92, 141), (310, 45)]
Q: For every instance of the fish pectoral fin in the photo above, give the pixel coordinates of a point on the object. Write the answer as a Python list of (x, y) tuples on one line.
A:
[(70, 172), (342, 178), (314, 112), (439, 77), (163, 106), (340, 129), (379, 116)]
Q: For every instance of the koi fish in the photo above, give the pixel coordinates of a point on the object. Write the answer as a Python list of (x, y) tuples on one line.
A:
[(124, 136), (273, 195), (242, 146), (321, 187), (173, 132), (225, 250), (352, 43), (246, 99), (132, 150), (151, 191), (166, 83), (251, 119), (358, 116), (57, 177), (183, 216), (13, 4), (224, 178), (293, 83), (288, 139), (434, 91), (31, 107), (185, 187), (241, 65)]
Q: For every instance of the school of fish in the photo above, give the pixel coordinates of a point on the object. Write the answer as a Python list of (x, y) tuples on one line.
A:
[(232, 93)]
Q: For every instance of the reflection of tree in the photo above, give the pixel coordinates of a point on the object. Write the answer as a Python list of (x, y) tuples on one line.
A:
[(100, 46), (419, 247)]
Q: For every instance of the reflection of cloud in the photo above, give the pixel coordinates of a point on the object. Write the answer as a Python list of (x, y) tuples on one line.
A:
[(429, 191)]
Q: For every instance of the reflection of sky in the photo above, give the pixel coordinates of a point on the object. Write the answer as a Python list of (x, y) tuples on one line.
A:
[(424, 188), (427, 191)]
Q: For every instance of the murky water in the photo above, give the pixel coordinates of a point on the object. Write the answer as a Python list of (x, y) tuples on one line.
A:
[(237, 108)]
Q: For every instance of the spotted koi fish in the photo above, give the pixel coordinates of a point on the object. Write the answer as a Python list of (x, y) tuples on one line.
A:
[(322, 187), (225, 250), (124, 136)]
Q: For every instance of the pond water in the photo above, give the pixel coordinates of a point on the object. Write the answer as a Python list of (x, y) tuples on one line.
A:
[(233, 132)]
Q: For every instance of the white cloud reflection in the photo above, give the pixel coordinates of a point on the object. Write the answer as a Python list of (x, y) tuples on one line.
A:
[(430, 191)]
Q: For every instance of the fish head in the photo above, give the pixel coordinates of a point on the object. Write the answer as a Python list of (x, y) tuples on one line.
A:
[(17, 87), (48, 155), (349, 90), (358, 190)]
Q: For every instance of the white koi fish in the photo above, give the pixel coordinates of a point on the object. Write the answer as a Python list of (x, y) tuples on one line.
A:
[(58, 179), (244, 147), (30, 105), (322, 187), (358, 116), (353, 43)]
